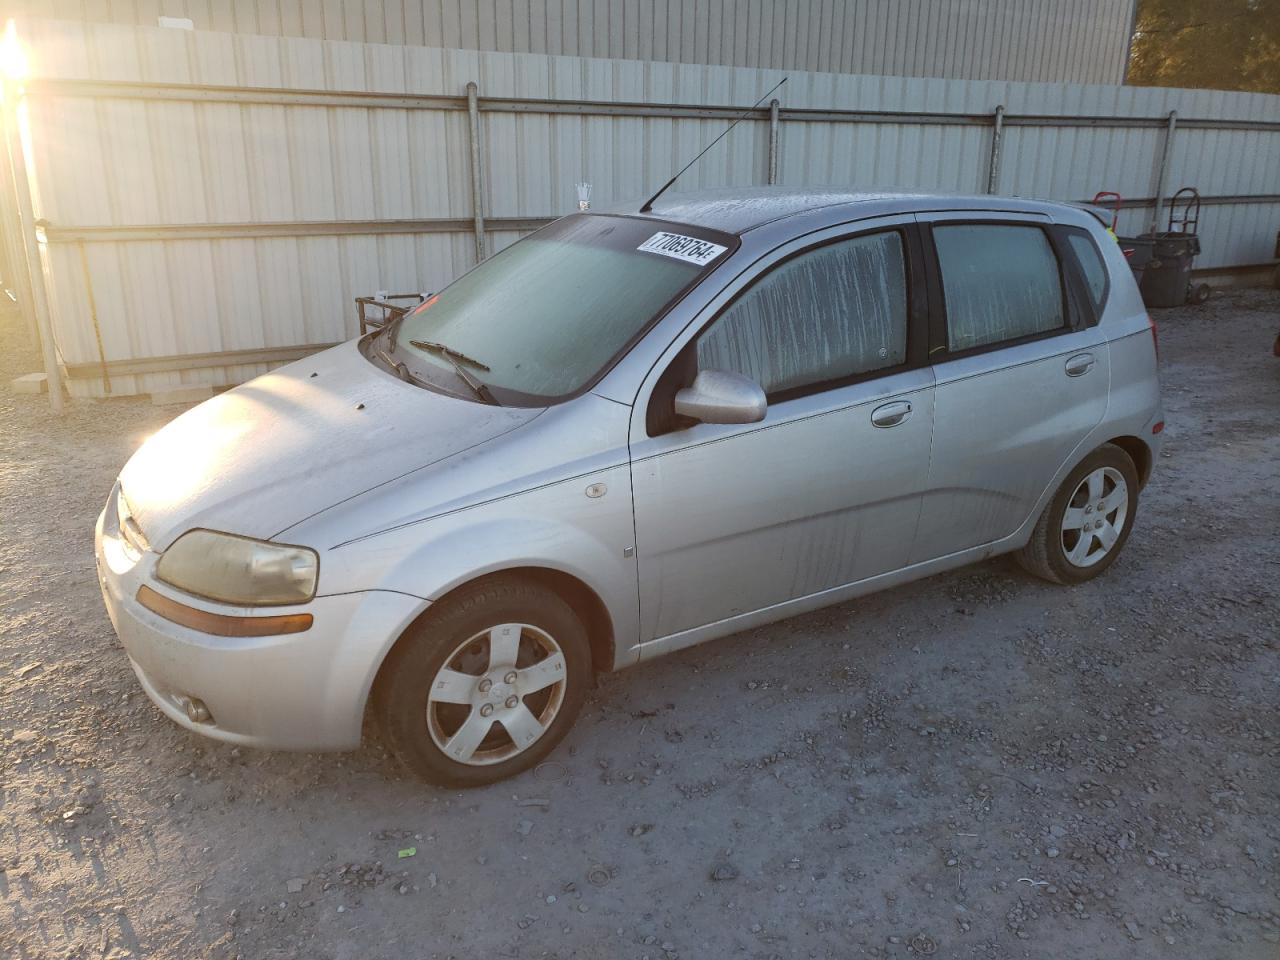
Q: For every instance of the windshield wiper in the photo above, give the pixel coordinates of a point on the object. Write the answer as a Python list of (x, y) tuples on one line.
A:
[(478, 388), (401, 369), (440, 348)]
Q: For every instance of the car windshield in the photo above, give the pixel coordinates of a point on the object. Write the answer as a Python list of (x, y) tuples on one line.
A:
[(540, 320)]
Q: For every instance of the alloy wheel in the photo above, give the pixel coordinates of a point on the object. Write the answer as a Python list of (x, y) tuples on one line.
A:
[(496, 694), (1095, 517)]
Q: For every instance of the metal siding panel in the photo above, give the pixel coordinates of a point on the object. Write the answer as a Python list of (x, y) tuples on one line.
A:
[(906, 41), (449, 32), (68, 301), (934, 27), (62, 9), (268, 19), (686, 38), (952, 43), (486, 25), (555, 25), (755, 51), (393, 22), (876, 16), (776, 57), (810, 37), (290, 18), (175, 162)]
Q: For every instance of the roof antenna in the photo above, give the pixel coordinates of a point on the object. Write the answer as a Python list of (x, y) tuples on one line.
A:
[(648, 205)]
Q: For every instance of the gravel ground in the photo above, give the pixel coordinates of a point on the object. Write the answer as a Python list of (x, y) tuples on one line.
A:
[(975, 765)]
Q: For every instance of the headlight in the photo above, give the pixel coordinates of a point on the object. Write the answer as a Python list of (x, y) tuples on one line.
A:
[(221, 566)]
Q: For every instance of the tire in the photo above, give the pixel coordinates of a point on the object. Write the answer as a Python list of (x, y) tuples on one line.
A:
[(1055, 551), (455, 669)]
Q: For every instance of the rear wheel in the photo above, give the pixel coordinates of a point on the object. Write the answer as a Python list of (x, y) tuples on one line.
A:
[(1087, 522), (486, 684)]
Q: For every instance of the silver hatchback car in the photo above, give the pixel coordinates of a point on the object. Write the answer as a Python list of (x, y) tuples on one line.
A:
[(625, 434)]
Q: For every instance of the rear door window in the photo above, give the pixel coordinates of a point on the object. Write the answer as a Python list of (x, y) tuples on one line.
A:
[(827, 315), (1001, 282)]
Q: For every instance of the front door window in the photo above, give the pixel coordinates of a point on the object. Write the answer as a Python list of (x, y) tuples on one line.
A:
[(824, 316)]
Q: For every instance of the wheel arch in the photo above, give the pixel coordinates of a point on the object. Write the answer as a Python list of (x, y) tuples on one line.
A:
[(1139, 453), (589, 607), (586, 604), (1135, 448)]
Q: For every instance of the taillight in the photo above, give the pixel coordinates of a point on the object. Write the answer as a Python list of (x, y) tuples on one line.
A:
[(1155, 335)]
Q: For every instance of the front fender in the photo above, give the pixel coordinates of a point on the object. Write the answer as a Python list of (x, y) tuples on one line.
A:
[(556, 527)]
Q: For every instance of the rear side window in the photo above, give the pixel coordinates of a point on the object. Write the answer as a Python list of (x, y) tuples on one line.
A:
[(831, 313), (1000, 281), (1092, 268)]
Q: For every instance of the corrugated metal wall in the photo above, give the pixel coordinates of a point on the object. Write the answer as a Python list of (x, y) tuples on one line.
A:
[(1077, 41), (211, 225)]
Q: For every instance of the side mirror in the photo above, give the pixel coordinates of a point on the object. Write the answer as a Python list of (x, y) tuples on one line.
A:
[(718, 396)]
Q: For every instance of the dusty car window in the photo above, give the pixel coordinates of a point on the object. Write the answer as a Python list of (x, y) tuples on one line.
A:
[(1091, 265), (830, 313), (540, 319), (1000, 282)]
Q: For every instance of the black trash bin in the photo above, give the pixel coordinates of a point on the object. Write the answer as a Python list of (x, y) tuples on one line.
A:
[(1138, 252), (1166, 279)]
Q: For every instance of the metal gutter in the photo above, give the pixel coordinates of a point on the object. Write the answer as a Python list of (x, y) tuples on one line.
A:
[(117, 90), (54, 233)]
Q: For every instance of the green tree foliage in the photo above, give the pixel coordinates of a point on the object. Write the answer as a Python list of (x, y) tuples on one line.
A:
[(1218, 44)]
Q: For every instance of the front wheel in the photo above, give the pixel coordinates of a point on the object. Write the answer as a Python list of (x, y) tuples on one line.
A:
[(1087, 522), (486, 684)]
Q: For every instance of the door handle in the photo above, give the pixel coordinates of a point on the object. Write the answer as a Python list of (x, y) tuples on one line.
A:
[(1080, 364), (891, 414)]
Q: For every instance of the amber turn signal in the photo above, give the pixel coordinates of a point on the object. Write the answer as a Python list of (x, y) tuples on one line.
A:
[(216, 623)]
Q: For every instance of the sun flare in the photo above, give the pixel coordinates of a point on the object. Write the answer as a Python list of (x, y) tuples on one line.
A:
[(14, 63)]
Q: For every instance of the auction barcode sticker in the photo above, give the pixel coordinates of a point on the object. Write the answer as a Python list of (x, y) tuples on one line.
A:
[(689, 249)]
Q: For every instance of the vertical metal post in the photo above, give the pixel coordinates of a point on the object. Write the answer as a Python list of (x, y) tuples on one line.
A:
[(14, 257), (1162, 171), (773, 142), (38, 302), (477, 187), (93, 316), (997, 135)]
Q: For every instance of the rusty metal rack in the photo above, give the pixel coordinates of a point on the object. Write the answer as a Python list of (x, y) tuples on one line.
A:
[(389, 310)]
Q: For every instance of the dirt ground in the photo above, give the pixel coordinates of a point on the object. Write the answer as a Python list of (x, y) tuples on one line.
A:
[(975, 765)]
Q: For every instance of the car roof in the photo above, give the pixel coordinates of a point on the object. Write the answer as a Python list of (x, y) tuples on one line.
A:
[(740, 209)]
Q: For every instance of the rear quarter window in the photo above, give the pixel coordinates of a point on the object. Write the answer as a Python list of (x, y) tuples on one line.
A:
[(1092, 268)]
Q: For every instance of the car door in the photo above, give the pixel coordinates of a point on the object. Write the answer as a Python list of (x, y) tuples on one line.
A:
[(731, 519), (1022, 374)]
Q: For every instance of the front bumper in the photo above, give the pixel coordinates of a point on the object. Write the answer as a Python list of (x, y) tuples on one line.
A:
[(301, 691)]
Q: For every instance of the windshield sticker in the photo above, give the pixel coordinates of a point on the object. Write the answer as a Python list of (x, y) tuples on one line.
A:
[(688, 249)]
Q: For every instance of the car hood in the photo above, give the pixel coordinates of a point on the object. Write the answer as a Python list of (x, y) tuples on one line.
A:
[(260, 458)]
